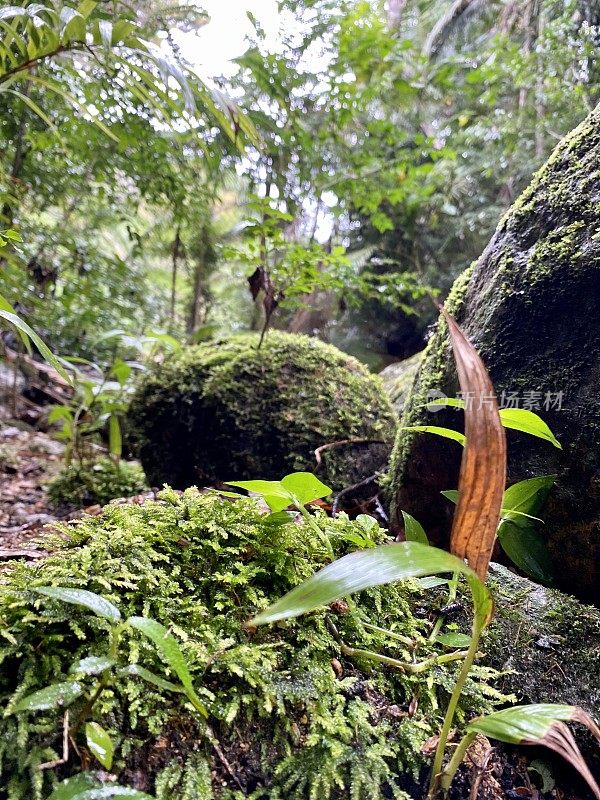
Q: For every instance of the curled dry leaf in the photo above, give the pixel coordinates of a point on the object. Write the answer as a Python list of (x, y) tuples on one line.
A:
[(483, 466)]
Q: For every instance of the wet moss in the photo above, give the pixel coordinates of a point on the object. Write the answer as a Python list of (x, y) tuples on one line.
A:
[(227, 410)]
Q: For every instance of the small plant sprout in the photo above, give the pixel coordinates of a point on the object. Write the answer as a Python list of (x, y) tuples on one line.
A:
[(479, 512), (295, 490), (92, 675)]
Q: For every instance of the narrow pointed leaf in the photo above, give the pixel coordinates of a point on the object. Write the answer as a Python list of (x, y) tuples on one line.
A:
[(169, 649), (541, 724), (81, 597), (413, 530), (100, 744), (45, 351), (447, 433), (483, 466), (150, 677), (365, 569)]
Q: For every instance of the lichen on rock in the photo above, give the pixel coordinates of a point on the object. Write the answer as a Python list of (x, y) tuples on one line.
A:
[(228, 410)]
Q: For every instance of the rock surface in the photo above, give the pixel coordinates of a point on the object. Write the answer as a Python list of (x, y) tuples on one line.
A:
[(530, 306)]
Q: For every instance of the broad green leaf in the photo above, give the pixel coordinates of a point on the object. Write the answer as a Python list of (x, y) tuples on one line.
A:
[(273, 493), (528, 550), (81, 597), (45, 351), (367, 568), (150, 677), (413, 530), (522, 723), (458, 640), (447, 433), (519, 419), (59, 695), (305, 487), (73, 787), (451, 494), (100, 744), (169, 649), (91, 665), (527, 497)]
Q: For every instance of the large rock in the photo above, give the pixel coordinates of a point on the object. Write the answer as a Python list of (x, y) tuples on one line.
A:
[(227, 410), (530, 305)]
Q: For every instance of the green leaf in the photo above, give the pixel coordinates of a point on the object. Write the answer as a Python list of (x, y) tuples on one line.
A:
[(81, 597), (100, 744), (59, 695), (272, 492), (169, 649), (525, 421), (45, 351), (447, 433), (528, 550), (367, 568), (413, 530), (70, 790), (91, 665), (452, 495), (150, 677), (73, 787), (527, 497), (521, 723), (454, 640), (305, 486)]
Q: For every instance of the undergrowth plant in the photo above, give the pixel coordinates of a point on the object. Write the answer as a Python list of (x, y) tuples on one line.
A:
[(479, 510)]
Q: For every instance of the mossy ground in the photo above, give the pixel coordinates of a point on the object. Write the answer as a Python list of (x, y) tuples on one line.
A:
[(293, 718), (96, 482), (226, 410)]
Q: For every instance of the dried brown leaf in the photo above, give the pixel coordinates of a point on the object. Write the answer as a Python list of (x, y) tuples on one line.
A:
[(483, 466)]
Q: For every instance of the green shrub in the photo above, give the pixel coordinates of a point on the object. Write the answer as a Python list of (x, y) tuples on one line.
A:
[(89, 482), (225, 410), (295, 717)]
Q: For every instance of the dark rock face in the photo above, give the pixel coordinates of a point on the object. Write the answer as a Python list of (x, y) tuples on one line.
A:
[(531, 306)]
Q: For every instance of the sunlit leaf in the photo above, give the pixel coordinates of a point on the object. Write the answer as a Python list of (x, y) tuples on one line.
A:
[(45, 351), (457, 640), (305, 487), (91, 665), (519, 419), (447, 433)]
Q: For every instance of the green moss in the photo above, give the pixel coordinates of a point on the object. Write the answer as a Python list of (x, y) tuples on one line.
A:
[(100, 481), (226, 410), (293, 722)]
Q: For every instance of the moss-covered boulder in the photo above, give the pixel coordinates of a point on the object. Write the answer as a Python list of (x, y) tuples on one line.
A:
[(290, 716), (530, 306), (227, 410)]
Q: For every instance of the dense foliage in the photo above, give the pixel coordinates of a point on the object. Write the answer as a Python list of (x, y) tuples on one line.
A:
[(294, 720)]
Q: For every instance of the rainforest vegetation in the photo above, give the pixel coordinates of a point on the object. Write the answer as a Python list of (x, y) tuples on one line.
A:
[(299, 413)]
